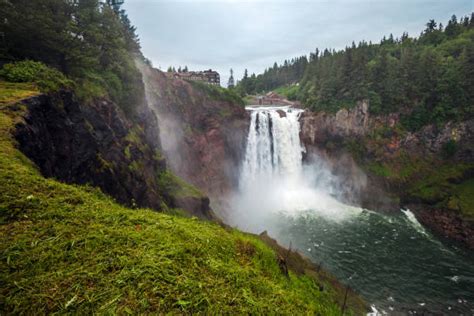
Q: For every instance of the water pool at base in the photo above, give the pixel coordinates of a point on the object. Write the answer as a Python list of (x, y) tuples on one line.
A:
[(390, 260)]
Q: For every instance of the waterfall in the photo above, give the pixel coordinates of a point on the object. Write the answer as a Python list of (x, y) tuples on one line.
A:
[(273, 148), (274, 182)]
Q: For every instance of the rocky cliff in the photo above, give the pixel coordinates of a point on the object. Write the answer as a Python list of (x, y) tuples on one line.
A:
[(385, 167), (203, 132), (97, 144)]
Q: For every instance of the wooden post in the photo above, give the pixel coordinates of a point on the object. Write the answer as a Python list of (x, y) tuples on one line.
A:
[(288, 252), (345, 300)]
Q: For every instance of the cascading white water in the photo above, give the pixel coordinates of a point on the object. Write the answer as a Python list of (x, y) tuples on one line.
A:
[(273, 179), (273, 146)]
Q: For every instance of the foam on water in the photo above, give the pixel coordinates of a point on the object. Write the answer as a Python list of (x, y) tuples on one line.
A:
[(414, 222)]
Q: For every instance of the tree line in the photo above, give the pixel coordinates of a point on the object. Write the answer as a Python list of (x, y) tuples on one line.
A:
[(291, 71), (173, 69), (89, 41), (430, 79)]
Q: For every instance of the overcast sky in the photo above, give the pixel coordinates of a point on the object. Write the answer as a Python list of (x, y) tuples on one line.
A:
[(253, 34)]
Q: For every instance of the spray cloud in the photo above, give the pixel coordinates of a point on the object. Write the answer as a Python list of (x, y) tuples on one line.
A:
[(273, 178)]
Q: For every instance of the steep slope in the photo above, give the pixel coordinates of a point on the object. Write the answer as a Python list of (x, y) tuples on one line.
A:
[(203, 131), (71, 249), (96, 143)]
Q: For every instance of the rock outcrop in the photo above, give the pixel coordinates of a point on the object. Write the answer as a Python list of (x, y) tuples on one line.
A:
[(203, 133), (384, 167), (325, 135), (98, 144), (321, 126), (431, 139), (446, 224)]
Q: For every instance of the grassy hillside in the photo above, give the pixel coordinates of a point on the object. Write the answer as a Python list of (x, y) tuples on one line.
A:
[(67, 248)]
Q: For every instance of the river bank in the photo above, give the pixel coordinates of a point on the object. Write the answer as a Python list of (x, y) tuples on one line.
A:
[(389, 168)]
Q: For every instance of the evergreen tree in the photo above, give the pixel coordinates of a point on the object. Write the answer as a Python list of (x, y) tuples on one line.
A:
[(231, 83), (452, 27), (87, 40)]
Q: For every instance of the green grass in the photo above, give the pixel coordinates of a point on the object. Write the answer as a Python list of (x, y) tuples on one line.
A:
[(177, 186), (446, 187), (11, 92), (218, 93), (463, 198), (380, 169), (71, 249)]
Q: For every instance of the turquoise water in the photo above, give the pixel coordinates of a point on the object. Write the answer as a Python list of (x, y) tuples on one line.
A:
[(389, 259)]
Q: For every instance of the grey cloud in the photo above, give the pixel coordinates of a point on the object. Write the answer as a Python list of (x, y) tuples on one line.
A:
[(224, 34)]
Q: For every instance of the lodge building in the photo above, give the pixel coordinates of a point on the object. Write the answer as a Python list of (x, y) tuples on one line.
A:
[(208, 76)]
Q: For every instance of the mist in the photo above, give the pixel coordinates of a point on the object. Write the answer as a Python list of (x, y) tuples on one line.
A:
[(275, 183)]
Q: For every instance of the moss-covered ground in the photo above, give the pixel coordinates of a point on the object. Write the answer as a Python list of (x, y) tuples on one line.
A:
[(432, 180), (218, 93), (9, 92), (446, 186), (71, 249)]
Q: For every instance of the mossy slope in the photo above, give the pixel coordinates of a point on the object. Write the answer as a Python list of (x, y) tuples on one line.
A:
[(71, 249), (9, 92)]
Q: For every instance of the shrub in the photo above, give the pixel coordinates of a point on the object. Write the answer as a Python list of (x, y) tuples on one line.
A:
[(449, 148), (47, 79), (218, 93)]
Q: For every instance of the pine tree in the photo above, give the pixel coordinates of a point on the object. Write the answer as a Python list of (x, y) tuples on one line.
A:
[(430, 26), (231, 83), (452, 27)]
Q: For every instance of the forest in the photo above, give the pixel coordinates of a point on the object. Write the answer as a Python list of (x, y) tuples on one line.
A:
[(430, 79), (92, 43), (290, 71)]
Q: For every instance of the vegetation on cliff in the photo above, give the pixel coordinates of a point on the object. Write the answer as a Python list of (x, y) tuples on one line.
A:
[(290, 72), (428, 180), (429, 78), (71, 249), (82, 55), (218, 93), (47, 79), (10, 92), (86, 40)]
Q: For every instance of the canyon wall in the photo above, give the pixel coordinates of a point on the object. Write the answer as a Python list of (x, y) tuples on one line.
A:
[(203, 131), (97, 144), (384, 167)]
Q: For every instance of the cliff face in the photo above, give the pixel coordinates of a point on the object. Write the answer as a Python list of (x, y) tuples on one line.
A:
[(385, 167), (97, 144), (325, 136), (318, 127), (203, 133)]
